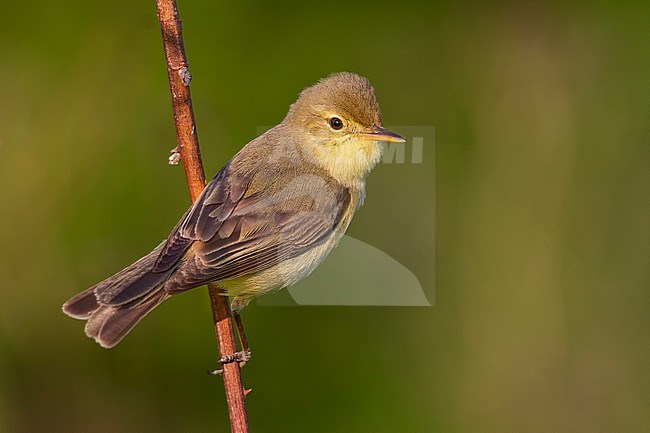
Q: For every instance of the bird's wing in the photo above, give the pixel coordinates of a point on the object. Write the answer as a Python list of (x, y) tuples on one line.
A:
[(204, 218), (237, 228)]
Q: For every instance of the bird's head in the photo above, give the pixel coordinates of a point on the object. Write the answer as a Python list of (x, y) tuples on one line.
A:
[(338, 121)]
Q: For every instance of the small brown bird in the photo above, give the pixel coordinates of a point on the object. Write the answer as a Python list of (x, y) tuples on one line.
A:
[(266, 220)]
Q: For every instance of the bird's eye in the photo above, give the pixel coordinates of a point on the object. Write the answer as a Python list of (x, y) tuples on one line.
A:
[(336, 123)]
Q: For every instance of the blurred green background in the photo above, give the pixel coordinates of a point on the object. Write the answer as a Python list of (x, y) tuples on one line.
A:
[(542, 241)]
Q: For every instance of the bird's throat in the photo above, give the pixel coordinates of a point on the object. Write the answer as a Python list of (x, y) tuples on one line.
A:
[(351, 161)]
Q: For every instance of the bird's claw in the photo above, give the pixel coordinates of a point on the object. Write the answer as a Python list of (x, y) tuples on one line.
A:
[(242, 357)]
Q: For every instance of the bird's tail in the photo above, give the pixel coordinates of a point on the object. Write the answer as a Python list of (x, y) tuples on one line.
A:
[(113, 307)]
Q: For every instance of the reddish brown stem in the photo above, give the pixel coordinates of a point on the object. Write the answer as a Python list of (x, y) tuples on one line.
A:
[(188, 146)]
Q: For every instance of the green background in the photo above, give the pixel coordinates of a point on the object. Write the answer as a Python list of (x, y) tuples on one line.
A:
[(542, 241)]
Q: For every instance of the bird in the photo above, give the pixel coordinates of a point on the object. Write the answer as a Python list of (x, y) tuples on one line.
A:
[(266, 220)]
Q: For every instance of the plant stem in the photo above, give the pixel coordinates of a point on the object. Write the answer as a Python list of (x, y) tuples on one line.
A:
[(188, 146)]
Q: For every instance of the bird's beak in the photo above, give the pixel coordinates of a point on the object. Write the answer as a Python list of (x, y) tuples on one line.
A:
[(381, 134)]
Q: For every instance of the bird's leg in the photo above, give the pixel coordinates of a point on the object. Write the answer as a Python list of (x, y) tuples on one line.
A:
[(244, 355), (243, 341)]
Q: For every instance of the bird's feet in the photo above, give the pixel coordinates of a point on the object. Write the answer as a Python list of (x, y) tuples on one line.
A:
[(242, 357)]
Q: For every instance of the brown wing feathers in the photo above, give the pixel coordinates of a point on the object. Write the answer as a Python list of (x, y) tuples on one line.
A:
[(227, 233)]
